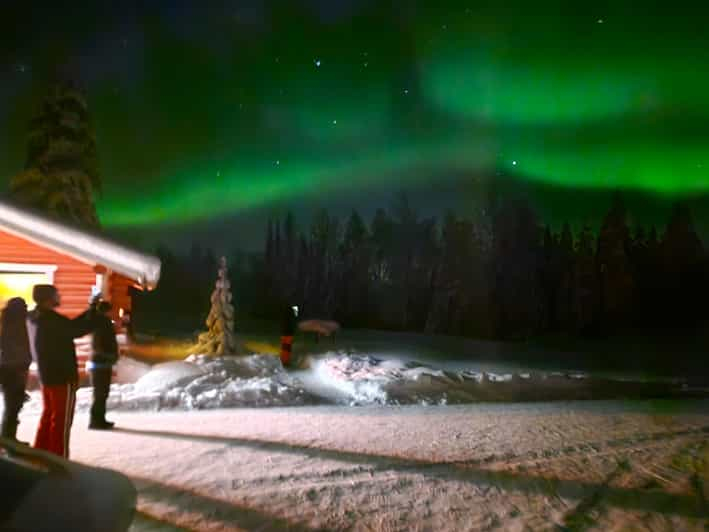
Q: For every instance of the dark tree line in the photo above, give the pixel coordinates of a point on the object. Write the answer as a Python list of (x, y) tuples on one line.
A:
[(499, 273)]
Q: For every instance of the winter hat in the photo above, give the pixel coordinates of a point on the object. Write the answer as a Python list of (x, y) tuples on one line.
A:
[(43, 292)]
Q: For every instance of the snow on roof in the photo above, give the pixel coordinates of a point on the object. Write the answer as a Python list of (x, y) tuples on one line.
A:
[(80, 244)]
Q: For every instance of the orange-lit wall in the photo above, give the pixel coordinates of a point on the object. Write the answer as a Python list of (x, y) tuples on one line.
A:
[(119, 288), (73, 278)]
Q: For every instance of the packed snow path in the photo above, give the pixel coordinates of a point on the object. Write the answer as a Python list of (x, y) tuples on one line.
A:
[(534, 466)]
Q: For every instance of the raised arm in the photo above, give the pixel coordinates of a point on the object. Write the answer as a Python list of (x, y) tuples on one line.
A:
[(83, 324)]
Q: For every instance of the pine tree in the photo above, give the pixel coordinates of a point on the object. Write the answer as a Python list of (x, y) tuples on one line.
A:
[(617, 283), (450, 274), (219, 338), (584, 282), (61, 170), (290, 238), (277, 248), (382, 238), (551, 277), (269, 244), (353, 278), (681, 246), (290, 248), (565, 296), (517, 261), (682, 263)]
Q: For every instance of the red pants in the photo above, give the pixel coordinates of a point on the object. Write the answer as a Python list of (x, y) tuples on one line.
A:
[(286, 349), (57, 416)]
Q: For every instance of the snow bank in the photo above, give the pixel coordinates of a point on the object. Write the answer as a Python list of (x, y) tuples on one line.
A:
[(364, 379), (202, 382), (168, 375), (129, 370)]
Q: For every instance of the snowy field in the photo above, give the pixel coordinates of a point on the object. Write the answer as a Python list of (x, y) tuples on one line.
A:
[(589, 465)]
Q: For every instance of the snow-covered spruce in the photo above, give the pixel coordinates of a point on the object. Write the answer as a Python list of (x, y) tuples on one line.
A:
[(61, 172), (219, 338)]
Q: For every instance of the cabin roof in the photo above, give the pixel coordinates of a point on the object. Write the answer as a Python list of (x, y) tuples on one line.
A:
[(83, 245)]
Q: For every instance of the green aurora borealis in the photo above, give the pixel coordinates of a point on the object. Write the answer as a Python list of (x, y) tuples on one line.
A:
[(210, 115)]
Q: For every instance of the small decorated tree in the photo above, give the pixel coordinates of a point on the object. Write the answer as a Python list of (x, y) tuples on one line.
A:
[(219, 338)]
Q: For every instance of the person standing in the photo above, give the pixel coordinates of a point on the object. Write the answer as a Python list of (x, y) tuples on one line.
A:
[(288, 323), (58, 373), (15, 359), (105, 355)]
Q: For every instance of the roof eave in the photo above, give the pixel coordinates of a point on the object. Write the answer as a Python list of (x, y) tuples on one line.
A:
[(87, 248)]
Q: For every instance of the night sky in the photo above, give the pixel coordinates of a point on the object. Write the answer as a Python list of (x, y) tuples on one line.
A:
[(210, 119)]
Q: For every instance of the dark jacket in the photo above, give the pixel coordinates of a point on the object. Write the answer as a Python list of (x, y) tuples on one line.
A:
[(288, 322), (54, 343), (15, 346), (105, 347)]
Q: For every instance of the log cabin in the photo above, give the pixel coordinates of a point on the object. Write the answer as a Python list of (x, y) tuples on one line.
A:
[(35, 249)]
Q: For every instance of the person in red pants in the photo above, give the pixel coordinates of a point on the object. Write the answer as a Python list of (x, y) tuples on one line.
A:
[(56, 361), (288, 323)]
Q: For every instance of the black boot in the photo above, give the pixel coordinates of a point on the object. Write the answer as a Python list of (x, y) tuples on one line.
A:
[(9, 428), (101, 424), (9, 431)]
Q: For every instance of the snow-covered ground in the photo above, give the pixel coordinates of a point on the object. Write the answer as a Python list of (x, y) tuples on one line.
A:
[(373, 442), (590, 465)]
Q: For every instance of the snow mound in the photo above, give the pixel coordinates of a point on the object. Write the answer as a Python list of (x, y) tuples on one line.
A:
[(345, 378), (202, 382), (168, 375), (472, 375), (129, 370), (364, 379), (496, 377)]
